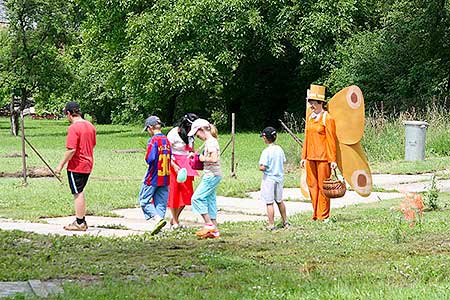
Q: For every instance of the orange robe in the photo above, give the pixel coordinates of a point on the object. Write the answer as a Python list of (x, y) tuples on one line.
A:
[(319, 150)]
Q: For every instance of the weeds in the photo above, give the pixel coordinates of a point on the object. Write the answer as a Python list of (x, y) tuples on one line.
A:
[(384, 134), (432, 195)]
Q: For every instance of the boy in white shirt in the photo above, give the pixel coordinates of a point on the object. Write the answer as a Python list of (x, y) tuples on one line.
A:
[(271, 164)]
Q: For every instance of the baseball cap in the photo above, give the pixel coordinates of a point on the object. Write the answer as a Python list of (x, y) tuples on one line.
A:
[(151, 121), (268, 132), (196, 125), (71, 107)]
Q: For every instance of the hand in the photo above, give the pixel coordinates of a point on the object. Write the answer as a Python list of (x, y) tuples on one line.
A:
[(333, 165), (58, 170), (202, 158), (176, 168), (303, 163)]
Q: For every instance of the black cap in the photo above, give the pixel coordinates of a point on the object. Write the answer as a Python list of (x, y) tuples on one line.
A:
[(72, 107), (268, 132)]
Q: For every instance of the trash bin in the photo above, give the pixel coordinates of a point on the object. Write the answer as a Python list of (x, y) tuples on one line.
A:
[(415, 132)]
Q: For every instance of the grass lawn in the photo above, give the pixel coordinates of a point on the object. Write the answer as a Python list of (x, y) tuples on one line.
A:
[(369, 253), (366, 254), (116, 177)]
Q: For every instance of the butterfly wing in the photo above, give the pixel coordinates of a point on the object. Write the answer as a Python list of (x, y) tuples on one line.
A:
[(353, 165), (347, 109), (303, 183)]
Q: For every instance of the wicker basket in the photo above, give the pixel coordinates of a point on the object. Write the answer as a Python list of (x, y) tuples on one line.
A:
[(334, 188)]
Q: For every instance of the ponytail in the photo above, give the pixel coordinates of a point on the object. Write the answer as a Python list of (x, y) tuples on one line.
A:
[(213, 130)]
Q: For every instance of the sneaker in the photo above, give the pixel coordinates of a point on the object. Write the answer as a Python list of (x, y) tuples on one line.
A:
[(158, 226), (76, 227), (328, 221), (206, 233), (178, 226), (212, 234), (286, 225), (271, 228)]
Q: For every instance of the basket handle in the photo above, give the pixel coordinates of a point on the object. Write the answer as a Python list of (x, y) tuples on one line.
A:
[(335, 175)]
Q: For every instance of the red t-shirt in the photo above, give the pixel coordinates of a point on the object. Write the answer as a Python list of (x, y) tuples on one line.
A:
[(81, 137)]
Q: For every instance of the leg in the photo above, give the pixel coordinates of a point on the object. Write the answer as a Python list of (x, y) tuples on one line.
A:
[(202, 195), (212, 199), (278, 193), (313, 186), (80, 205), (282, 209), (176, 215), (146, 201), (271, 214), (323, 203), (160, 198)]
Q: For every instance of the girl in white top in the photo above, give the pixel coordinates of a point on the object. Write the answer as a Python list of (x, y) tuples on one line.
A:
[(180, 193)]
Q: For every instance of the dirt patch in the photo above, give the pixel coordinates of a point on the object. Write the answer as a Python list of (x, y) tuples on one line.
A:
[(31, 172), (13, 155), (129, 150)]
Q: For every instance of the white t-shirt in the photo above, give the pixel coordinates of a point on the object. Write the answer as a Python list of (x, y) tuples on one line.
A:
[(177, 143)]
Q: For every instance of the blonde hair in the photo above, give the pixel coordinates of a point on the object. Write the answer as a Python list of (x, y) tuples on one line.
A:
[(212, 129)]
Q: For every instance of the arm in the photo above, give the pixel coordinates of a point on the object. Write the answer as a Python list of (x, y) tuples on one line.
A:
[(151, 155), (305, 142), (263, 161), (71, 147), (67, 156), (209, 157), (330, 131)]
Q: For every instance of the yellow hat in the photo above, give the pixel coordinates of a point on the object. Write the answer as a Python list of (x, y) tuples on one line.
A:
[(316, 92)]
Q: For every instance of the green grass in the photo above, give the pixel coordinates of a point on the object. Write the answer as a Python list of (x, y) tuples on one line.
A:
[(366, 254), (120, 174), (116, 177)]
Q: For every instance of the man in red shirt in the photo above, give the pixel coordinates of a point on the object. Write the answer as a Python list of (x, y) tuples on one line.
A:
[(80, 143)]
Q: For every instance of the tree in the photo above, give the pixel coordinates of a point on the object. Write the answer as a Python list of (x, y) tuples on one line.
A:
[(32, 60), (403, 63)]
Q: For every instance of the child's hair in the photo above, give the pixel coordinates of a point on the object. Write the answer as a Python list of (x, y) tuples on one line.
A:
[(213, 130), (271, 138), (185, 125), (157, 126)]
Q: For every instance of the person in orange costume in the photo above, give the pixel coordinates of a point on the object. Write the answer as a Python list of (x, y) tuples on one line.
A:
[(319, 151)]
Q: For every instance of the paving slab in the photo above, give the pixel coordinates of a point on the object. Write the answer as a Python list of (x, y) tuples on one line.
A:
[(39, 288), (9, 289), (47, 229), (131, 221)]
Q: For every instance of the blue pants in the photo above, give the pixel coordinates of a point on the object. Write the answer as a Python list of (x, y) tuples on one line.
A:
[(153, 200), (204, 198)]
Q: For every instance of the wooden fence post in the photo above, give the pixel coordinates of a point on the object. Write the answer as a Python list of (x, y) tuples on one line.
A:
[(233, 137)]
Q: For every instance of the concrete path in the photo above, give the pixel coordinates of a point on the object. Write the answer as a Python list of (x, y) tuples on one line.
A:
[(39, 288), (131, 220)]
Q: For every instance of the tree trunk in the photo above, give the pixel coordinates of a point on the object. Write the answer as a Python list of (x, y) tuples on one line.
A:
[(14, 118)]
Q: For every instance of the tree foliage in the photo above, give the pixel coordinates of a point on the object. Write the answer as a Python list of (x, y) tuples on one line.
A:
[(32, 59), (127, 59)]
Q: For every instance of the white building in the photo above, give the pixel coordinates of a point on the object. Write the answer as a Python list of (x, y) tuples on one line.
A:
[(3, 19)]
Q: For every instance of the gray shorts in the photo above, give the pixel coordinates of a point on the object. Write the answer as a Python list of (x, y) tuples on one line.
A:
[(271, 191)]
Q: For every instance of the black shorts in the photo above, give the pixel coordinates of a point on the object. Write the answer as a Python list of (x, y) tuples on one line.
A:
[(77, 181)]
